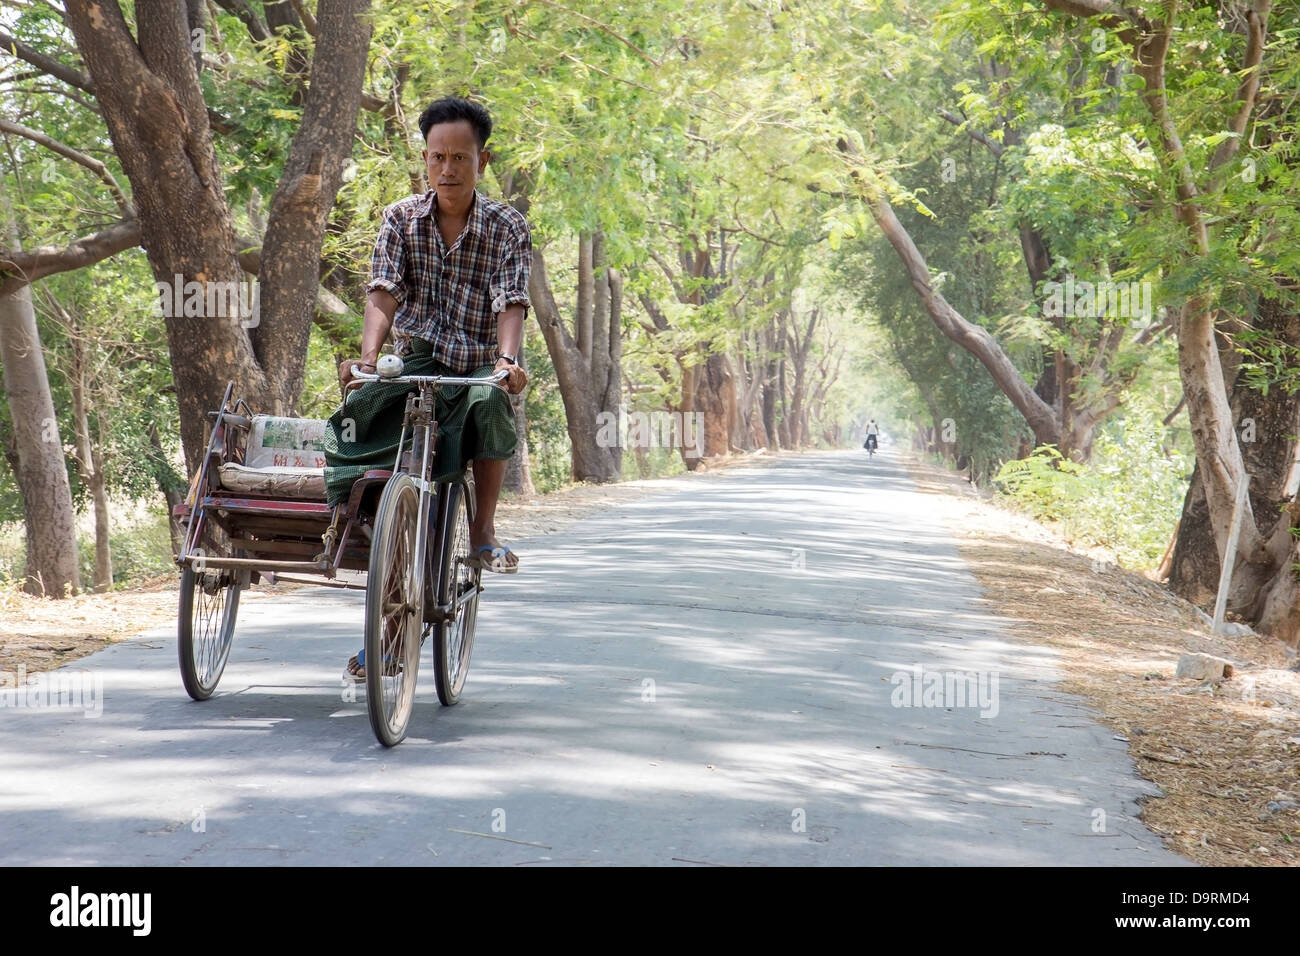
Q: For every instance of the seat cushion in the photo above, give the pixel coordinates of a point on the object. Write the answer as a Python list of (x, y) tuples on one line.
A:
[(276, 482)]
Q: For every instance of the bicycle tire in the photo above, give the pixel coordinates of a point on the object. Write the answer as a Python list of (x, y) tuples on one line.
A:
[(209, 605), (393, 612), (458, 591)]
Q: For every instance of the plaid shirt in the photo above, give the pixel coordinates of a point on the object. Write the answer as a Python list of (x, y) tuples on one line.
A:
[(451, 297)]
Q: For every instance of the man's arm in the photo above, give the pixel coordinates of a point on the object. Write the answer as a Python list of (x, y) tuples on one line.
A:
[(509, 289), (510, 338), (380, 307), (384, 293)]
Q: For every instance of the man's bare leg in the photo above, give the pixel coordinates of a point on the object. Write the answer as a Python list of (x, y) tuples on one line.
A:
[(489, 476)]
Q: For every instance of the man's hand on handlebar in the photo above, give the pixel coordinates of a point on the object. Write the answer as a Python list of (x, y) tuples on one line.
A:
[(345, 372), (512, 377), (516, 377)]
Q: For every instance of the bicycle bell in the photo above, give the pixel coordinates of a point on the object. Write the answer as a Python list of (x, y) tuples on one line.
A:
[(389, 366)]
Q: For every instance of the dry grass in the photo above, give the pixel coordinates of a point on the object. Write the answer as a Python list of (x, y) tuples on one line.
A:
[(1222, 752), (41, 634)]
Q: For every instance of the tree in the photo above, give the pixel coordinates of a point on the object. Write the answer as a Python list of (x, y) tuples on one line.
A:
[(35, 450), (1198, 167), (586, 358), (149, 91)]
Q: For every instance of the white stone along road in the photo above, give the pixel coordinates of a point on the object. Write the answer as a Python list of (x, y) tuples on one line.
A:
[(756, 667)]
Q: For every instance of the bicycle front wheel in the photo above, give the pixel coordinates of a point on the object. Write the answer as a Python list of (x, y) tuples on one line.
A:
[(458, 591), (393, 611)]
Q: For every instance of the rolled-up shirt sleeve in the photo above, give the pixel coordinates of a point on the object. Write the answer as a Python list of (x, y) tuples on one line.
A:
[(509, 283), (388, 262)]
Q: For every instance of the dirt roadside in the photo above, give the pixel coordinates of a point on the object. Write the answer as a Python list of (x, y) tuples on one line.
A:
[(1226, 754)]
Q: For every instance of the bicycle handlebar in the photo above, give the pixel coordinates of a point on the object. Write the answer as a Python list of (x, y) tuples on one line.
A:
[(493, 381)]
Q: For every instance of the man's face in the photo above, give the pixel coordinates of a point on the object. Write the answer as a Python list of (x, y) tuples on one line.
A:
[(454, 162)]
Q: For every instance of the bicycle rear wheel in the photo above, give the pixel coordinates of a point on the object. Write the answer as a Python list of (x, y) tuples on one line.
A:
[(458, 591), (208, 608), (393, 611)]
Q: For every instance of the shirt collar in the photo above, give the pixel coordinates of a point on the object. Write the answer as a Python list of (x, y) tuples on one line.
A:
[(475, 223)]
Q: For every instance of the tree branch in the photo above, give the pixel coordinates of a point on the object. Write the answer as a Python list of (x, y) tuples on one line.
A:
[(603, 29), (47, 64), (64, 92), (90, 162), (308, 21), (516, 30), (22, 267), (1037, 414), (996, 148), (1093, 8), (656, 314), (668, 271), (240, 8), (1256, 19), (1169, 419)]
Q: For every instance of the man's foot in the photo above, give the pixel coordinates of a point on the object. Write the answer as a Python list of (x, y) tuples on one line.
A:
[(355, 670), (490, 554), (496, 558)]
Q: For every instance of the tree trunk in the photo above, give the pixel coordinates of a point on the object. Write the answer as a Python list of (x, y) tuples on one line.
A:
[(591, 381), (519, 476), (746, 433), (99, 493), (769, 408), (89, 458), (148, 91), (41, 472), (784, 424), (1266, 429), (1194, 568), (173, 492), (715, 403), (770, 378), (309, 183)]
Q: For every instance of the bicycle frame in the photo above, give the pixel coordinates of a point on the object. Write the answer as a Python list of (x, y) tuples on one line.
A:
[(418, 419)]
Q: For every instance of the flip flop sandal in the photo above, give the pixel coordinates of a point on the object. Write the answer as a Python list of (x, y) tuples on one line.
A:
[(355, 670), (495, 561)]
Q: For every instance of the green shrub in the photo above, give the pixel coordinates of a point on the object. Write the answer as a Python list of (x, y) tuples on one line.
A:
[(1046, 483), (139, 550), (1127, 498)]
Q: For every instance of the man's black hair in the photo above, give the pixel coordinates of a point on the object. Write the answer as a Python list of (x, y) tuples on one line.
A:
[(449, 109)]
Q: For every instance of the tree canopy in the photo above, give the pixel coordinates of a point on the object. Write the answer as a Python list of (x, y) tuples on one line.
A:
[(996, 226)]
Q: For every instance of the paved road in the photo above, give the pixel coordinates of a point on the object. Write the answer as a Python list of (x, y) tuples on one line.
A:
[(732, 670)]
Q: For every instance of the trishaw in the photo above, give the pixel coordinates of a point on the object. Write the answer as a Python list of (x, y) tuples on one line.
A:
[(258, 507)]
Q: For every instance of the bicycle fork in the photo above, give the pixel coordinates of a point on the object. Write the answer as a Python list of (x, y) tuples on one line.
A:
[(418, 423)]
